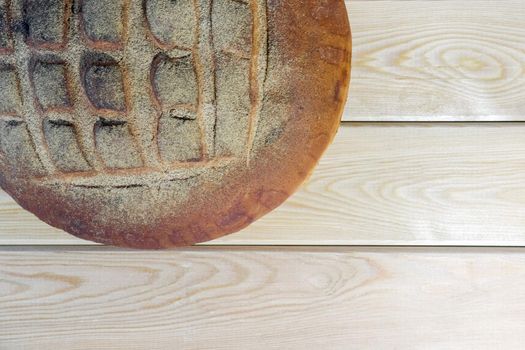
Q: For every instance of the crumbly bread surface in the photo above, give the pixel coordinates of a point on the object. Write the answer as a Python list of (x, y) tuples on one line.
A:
[(161, 123)]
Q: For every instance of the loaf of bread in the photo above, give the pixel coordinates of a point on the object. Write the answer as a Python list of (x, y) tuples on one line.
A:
[(158, 123)]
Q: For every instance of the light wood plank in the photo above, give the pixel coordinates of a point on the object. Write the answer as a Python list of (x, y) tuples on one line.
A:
[(262, 299), (446, 60), (380, 184)]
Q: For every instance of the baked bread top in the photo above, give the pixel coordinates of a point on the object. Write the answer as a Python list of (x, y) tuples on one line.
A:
[(160, 123)]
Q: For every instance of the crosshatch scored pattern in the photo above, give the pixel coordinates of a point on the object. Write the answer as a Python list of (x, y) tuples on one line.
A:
[(433, 184), (116, 87)]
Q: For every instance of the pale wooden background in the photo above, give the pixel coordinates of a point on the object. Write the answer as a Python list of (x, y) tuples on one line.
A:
[(411, 229)]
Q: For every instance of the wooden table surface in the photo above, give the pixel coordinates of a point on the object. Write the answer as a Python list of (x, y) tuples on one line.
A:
[(409, 235)]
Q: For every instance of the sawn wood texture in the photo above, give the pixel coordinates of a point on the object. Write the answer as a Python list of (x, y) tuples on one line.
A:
[(335, 298), (447, 60), (380, 184)]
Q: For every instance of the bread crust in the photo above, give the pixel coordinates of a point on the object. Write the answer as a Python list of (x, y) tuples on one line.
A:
[(311, 41)]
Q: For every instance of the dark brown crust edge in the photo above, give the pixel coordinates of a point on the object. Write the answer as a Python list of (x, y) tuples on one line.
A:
[(315, 36)]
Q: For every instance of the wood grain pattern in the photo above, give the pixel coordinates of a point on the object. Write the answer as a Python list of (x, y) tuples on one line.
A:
[(400, 184), (448, 60), (397, 184), (262, 299)]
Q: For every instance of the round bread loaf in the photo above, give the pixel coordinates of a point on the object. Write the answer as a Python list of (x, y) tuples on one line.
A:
[(161, 123)]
